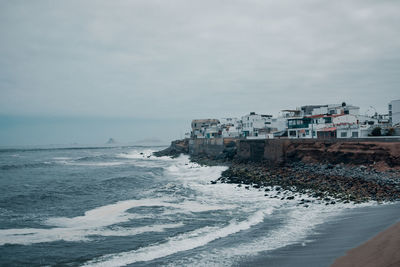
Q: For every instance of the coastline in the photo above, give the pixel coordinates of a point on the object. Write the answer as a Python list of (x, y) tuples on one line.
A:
[(382, 250), (327, 183), (323, 178), (332, 239)]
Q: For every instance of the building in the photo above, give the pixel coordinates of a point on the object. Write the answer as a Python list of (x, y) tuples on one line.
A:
[(330, 109), (230, 127), (394, 112), (258, 126), (353, 131), (204, 128)]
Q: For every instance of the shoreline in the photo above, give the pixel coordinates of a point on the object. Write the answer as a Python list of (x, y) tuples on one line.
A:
[(381, 250), (324, 182), (321, 179), (329, 184), (332, 239)]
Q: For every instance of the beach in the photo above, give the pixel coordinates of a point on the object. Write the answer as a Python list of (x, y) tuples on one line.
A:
[(382, 250), (334, 238)]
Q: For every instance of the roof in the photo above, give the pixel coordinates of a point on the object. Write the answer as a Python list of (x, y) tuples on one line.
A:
[(291, 110), (205, 121), (329, 129), (316, 116), (327, 116)]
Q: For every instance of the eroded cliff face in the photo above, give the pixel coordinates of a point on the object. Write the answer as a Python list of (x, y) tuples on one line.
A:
[(380, 154), (176, 148)]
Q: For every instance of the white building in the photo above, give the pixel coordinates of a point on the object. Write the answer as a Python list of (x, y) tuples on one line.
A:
[(329, 109), (394, 112), (257, 125), (230, 127), (353, 131), (204, 128), (319, 126)]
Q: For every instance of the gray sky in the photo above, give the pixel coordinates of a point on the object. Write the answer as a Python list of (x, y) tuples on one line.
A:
[(177, 60)]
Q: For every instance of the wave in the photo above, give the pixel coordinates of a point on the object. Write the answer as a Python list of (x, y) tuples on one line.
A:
[(183, 242), (298, 226), (96, 221), (25, 165), (28, 236), (88, 147)]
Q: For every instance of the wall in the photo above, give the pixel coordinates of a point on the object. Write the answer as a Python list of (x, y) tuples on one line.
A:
[(278, 151), (348, 151), (206, 146)]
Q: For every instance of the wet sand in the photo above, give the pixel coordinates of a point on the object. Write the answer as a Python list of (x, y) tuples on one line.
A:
[(332, 239), (383, 250)]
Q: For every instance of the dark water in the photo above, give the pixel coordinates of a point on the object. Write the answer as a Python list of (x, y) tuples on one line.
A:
[(121, 206)]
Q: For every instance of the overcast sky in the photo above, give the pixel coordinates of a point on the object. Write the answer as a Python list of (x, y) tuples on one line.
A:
[(177, 60)]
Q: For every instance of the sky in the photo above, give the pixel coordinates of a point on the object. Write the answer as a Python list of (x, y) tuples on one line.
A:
[(85, 71)]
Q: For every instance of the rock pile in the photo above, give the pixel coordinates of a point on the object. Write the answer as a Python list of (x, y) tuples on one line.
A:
[(325, 182)]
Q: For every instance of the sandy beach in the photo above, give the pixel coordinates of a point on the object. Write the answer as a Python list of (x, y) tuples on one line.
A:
[(382, 250)]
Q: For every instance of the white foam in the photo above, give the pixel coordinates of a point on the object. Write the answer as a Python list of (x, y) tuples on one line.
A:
[(95, 221), (79, 228), (184, 242), (29, 236), (299, 224), (99, 164), (139, 154)]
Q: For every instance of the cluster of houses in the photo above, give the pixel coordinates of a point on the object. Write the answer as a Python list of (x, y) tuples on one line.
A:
[(311, 121)]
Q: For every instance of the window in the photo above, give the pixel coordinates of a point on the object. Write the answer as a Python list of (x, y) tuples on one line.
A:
[(313, 133), (354, 134), (292, 133), (343, 134), (307, 132)]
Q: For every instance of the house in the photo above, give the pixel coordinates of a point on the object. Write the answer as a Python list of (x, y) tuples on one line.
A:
[(353, 131), (329, 109), (230, 127), (394, 112), (202, 127), (309, 126), (256, 125)]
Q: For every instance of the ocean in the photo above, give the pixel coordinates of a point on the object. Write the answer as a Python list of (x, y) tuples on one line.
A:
[(121, 206)]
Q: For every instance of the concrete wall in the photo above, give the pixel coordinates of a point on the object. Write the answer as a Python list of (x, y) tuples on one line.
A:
[(271, 150), (277, 151), (210, 147)]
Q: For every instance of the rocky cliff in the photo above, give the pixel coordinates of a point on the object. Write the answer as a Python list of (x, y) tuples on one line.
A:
[(176, 148), (377, 154)]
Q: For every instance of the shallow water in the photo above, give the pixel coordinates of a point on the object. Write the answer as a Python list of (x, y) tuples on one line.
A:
[(121, 206)]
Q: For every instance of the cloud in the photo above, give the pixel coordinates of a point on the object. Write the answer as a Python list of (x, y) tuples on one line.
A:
[(195, 58)]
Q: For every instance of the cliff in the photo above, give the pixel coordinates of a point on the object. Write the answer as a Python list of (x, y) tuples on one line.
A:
[(327, 170), (381, 154), (378, 154), (176, 148)]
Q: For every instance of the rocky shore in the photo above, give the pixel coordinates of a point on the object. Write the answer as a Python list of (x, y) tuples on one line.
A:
[(326, 182), (176, 148)]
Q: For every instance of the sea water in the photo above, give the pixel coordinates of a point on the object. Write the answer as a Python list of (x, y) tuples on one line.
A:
[(121, 206)]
